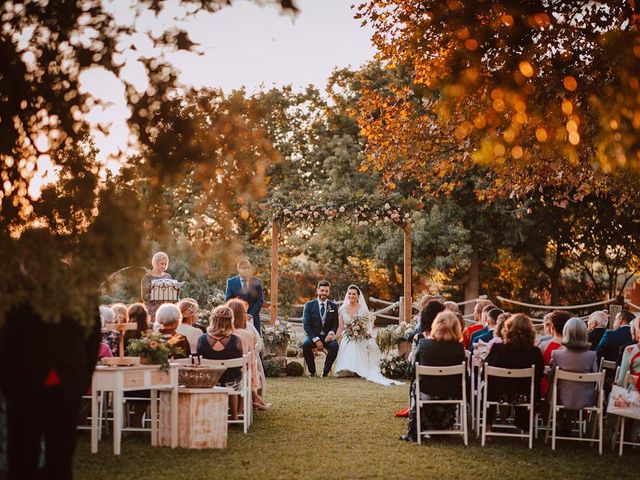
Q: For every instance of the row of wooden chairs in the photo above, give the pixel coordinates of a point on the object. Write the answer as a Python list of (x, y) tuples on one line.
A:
[(482, 376)]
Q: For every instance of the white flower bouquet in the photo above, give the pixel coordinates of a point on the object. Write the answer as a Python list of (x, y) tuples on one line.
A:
[(358, 329)]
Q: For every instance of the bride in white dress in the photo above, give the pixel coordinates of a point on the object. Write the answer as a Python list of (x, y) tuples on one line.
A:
[(361, 357)]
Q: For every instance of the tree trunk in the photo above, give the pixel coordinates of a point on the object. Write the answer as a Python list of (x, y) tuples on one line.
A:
[(472, 287)]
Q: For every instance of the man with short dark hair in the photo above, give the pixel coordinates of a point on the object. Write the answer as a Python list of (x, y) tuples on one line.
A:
[(613, 340), (320, 322), (248, 288)]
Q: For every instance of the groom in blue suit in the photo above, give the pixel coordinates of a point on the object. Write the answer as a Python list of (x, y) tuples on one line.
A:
[(248, 288), (320, 322)]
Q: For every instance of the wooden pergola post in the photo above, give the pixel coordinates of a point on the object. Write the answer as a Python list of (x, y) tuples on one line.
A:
[(407, 274), (275, 240)]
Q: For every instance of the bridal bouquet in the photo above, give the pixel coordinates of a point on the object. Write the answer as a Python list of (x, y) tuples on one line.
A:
[(358, 329)]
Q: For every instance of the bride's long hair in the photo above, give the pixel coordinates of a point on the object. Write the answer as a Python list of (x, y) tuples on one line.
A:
[(361, 301)]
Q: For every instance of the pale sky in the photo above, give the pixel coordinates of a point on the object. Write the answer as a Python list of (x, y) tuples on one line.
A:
[(252, 46)]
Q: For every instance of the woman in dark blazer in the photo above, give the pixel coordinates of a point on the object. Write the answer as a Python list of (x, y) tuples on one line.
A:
[(517, 351), (442, 348)]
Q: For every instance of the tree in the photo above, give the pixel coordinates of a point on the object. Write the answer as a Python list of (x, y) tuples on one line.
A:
[(540, 91), (45, 47)]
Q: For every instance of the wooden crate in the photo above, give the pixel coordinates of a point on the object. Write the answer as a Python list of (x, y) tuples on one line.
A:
[(202, 418)]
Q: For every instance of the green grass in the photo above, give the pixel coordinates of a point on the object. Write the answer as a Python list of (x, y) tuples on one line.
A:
[(344, 428)]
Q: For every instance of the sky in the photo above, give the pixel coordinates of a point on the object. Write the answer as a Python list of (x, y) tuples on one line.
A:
[(247, 45)]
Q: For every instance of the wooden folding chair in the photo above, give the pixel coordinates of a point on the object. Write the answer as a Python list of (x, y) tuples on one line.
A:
[(489, 372), (595, 378), (461, 403)]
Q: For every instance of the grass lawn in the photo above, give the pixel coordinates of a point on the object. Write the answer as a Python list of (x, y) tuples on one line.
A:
[(344, 428)]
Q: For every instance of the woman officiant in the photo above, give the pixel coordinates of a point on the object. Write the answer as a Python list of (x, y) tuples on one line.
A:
[(160, 262)]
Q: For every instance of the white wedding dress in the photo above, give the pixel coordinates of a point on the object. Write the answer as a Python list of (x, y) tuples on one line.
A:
[(361, 357)]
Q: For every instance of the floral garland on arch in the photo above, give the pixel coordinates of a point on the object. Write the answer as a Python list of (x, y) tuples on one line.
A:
[(360, 213)]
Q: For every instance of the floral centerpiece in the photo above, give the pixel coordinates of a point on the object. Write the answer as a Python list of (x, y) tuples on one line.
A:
[(358, 329), (153, 349), (277, 337), (393, 335)]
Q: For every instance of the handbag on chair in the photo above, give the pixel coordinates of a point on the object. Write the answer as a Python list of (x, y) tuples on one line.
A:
[(624, 402)]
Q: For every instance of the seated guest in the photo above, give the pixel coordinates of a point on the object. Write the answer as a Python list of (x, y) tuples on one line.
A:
[(442, 347), (452, 306), (241, 320), (189, 310), (630, 363), (631, 355), (517, 351), (558, 320), (219, 343), (477, 316), (547, 329), (110, 337), (483, 348), (120, 313), (485, 328), (168, 316), (612, 340), (597, 326), (137, 313), (491, 319), (427, 316), (574, 357)]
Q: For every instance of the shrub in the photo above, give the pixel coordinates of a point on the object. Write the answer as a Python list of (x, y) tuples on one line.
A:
[(294, 369), (271, 368)]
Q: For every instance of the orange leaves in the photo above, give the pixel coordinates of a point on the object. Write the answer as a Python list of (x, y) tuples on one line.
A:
[(526, 69), (570, 83)]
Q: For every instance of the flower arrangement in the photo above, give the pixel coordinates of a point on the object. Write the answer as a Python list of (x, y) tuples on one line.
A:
[(214, 299), (154, 348), (392, 335), (277, 336), (358, 329), (396, 367)]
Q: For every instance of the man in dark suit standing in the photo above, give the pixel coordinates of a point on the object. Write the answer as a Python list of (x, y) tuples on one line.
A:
[(247, 288), (613, 340), (320, 322)]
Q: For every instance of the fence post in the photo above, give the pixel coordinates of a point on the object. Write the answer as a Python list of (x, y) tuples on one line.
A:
[(401, 309)]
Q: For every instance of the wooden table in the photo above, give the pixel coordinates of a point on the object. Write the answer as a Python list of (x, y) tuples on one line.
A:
[(124, 379), (202, 417)]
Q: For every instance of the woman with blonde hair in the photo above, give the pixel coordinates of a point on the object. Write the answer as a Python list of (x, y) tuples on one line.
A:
[(189, 309), (159, 262), (442, 347), (220, 343), (241, 321)]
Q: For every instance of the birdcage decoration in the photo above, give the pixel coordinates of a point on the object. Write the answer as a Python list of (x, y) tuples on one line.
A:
[(166, 290)]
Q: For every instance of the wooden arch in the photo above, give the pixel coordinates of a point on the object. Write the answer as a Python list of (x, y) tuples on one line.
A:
[(406, 280)]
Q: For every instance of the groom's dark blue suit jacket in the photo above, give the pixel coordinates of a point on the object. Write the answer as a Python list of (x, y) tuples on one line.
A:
[(312, 321)]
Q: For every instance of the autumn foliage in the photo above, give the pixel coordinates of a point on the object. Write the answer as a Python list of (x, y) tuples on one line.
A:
[(545, 94)]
